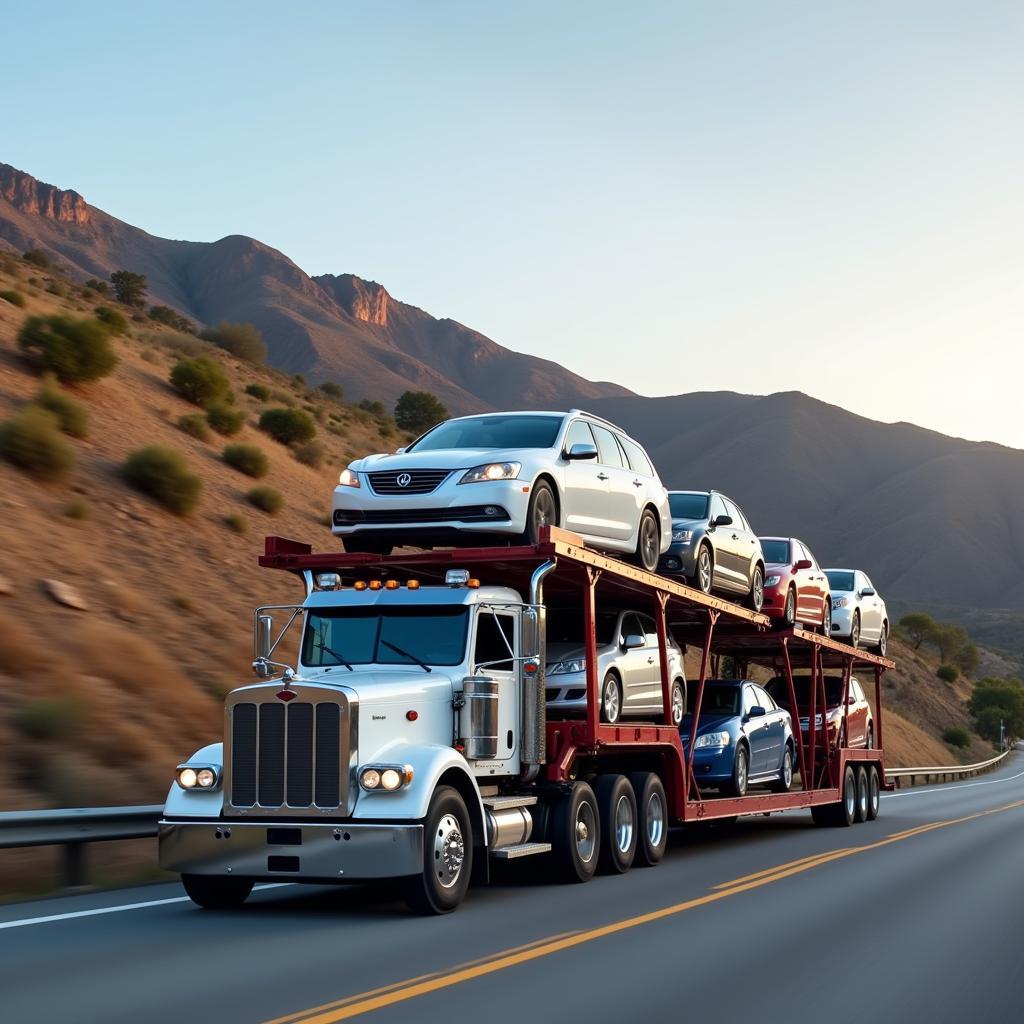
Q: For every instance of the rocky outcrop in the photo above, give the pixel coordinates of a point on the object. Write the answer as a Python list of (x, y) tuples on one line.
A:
[(363, 300), (27, 194)]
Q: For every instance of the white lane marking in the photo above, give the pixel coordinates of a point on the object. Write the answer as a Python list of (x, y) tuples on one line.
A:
[(952, 785), (116, 910)]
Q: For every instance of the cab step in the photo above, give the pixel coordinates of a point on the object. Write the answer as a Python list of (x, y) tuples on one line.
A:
[(520, 850), (502, 803)]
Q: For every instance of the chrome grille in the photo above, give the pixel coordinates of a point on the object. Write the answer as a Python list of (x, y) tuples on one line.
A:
[(408, 481)]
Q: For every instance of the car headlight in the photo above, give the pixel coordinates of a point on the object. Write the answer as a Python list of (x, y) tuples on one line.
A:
[(772, 581), (840, 602), (492, 471), (572, 665), (712, 739), (385, 777), (682, 536), (348, 478), (198, 776)]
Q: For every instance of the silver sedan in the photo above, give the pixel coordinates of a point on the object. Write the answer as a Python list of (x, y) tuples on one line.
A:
[(628, 665)]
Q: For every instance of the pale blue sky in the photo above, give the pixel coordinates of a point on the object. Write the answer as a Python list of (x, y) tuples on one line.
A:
[(678, 196)]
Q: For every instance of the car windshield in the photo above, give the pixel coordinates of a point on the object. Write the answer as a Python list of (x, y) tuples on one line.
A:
[(721, 699), (370, 636), (491, 432), (565, 626), (841, 581), (802, 687), (776, 551), (688, 506)]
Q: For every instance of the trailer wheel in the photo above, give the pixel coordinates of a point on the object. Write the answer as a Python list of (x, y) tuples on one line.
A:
[(652, 818), (217, 892), (737, 785), (863, 798), (846, 813), (874, 793), (616, 803), (576, 834), (447, 855)]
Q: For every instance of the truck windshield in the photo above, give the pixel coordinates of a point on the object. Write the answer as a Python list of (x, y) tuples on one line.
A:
[(685, 505), (491, 432), (361, 636)]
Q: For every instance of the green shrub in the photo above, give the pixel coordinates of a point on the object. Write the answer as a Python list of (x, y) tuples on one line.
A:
[(72, 418), (374, 408), (75, 350), (194, 424), (187, 345), (48, 718), (289, 426), (266, 499), (332, 390), (956, 736), (948, 673), (299, 380), (97, 286), (37, 258), (163, 475), (225, 420), (58, 289), (260, 391), (14, 298), (77, 508), (312, 453), (236, 523), (31, 441), (242, 340), (419, 410), (170, 317), (283, 397), (201, 381), (247, 459), (130, 288), (113, 319)]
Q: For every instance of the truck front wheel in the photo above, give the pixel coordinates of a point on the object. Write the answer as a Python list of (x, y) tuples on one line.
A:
[(217, 892), (447, 855)]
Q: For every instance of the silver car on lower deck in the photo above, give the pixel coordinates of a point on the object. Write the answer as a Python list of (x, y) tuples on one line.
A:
[(628, 665)]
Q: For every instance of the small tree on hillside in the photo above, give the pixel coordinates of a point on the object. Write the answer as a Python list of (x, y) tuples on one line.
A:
[(967, 659), (242, 340), (998, 700), (201, 381), (129, 287), (75, 351), (168, 316), (419, 410), (950, 641), (37, 258), (919, 627)]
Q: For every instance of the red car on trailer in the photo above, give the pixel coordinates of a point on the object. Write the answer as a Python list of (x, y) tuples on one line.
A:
[(796, 588)]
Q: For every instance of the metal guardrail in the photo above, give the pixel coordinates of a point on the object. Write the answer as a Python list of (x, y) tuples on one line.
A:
[(73, 827), (943, 774)]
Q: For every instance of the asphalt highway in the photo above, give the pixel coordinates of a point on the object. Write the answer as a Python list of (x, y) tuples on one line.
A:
[(918, 916)]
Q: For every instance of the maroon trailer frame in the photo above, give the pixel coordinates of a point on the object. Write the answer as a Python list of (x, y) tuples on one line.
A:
[(719, 627)]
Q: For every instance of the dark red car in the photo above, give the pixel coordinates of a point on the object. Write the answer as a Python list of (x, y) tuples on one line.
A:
[(796, 589), (860, 723)]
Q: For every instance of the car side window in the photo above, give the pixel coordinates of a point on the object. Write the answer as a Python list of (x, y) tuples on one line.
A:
[(650, 630), (638, 460), (732, 510), (858, 690), (608, 449), (494, 641), (809, 555), (749, 700), (717, 507), (631, 626), (578, 433), (763, 698)]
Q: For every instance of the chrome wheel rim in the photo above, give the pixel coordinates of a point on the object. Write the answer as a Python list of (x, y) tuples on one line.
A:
[(875, 796), (855, 633), (741, 771), (585, 832), (787, 769), (850, 793), (677, 705), (544, 510), (611, 700), (704, 570), (655, 819), (449, 851), (862, 802), (826, 622), (790, 608), (758, 590), (649, 542), (882, 643), (624, 825)]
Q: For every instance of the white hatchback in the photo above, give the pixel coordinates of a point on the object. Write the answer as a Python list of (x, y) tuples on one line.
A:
[(508, 474), (859, 615)]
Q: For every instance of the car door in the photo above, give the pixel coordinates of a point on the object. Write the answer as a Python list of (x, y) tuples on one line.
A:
[(725, 546), (857, 715), (871, 609), (743, 544), (755, 729), (634, 667), (623, 499), (774, 729), (649, 696), (808, 587), (585, 486), (648, 487)]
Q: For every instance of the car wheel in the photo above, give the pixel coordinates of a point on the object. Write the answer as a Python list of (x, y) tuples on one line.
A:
[(616, 803), (863, 797), (785, 780), (214, 892), (855, 630), (705, 571), (757, 589), (874, 793), (542, 511), (648, 542), (678, 702), (740, 772), (611, 699), (870, 740), (790, 613), (447, 855), (883, 640), (652, 818), (826, 620), (367, 545), (576, 834)]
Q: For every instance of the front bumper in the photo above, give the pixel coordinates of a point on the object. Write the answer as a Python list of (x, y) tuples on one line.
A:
[(775, 601), (842, 620), (713, 764), (679, 560), (321, 852), (570, 694)]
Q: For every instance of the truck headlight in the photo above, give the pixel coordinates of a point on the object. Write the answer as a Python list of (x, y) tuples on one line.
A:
[(772, 581), (492, 471), (682, 536), (572, 665), (348, 478), (385, 777), (198, 776), (712, 739)]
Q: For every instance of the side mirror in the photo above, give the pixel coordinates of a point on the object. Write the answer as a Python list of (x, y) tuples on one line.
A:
[(264, 631), (804, 563), (868, 592), (398, 451), (721, 521), (756, 712), (581, 452), (633, 641)]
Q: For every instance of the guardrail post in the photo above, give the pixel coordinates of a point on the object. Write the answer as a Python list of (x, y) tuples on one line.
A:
[(73, 865)]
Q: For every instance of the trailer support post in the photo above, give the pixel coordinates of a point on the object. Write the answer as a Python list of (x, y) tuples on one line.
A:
[(590, 640), (695, 718), (666, 682), (805, 782)]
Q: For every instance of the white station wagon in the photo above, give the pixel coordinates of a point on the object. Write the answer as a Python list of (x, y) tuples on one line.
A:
[(503, 475)]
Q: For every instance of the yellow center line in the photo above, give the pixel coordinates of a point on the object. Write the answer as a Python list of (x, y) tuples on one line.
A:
[(366, 1002)]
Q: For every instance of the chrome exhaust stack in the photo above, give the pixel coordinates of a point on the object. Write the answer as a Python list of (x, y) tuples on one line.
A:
[(533, 724)]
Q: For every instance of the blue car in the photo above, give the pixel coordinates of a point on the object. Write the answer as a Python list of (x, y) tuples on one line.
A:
[(743, 738)]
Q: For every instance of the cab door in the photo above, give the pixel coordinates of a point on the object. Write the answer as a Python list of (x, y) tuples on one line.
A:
[(495, 642)]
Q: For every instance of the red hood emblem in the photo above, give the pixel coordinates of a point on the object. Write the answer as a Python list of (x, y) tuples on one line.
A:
[(286, 695)]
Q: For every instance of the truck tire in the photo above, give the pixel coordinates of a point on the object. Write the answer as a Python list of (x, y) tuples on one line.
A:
[(843, 813), (616, 804), (863, 798), (651, 818), (217, 892), (447, 855), (576, 834), (874, 793)]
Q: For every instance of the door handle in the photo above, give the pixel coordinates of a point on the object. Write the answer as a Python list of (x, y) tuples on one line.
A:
[(735, 537), (650, 661), (638, 483), (602, 476)]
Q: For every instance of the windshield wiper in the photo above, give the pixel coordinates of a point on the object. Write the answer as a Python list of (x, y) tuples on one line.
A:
[(405, 654), (335, 654)]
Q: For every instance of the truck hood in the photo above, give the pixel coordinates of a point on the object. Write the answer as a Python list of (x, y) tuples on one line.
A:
[(380, 685)]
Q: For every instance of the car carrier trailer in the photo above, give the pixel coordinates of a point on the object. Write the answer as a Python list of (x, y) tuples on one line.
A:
[(412, 739)]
